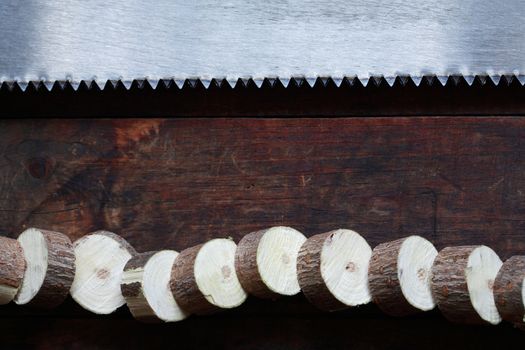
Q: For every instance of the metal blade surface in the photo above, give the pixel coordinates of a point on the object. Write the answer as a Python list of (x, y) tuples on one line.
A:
[(132, 39)]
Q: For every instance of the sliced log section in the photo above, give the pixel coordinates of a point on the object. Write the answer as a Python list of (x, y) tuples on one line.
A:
[(12, 267), (332, 269), (399, 276), (462, 284), (509, 291), (100, 260), (50, 261), (146, 287), (266, 262), (203, 278)]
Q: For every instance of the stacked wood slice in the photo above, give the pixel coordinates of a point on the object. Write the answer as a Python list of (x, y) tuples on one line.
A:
[(509, 291), (462, 284), (12, 267), (50, 262), (266, 262), (146, 287), (400, 276), (203, 278), (332, 268), (100, 260)]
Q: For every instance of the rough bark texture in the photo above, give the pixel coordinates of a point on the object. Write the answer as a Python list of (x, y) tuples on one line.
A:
[(247, 268), (133, 292), (309, 274), (60, 271), (12, 267), (508, 290), (383, 280), (449, 285), (184, 286)]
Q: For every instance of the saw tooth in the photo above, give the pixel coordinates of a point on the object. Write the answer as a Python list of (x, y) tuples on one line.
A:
[(337, 81), (521, 78), (206, 83), (48, 84), (349, 81), (22, 85), (456, 79), (469, 79), (402, 80), (7, 85), (324, 81), (364, 81), (179, 82), (482, 79), (310, 81), (390, 80), (271, 82), (495, 78), (507, 79), (74, 84), (285, 81), (416, 79), (442, 79), (232, 82), (258, 82), (127, 84), (377, 80)]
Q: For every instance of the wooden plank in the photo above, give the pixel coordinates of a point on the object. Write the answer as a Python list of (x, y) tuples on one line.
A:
[(176, 183), (179, 182)]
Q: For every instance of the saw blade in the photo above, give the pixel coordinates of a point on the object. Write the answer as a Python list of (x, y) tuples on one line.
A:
[(73, 40)]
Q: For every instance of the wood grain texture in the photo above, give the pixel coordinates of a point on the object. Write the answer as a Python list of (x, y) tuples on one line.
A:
[(384, 280), (184, 286), (12, 267), (172, 184), (508, 292), (310, 277), (60, 271)]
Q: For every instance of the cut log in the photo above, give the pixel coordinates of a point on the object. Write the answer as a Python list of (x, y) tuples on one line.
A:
[(399, 276), (12, 267), (332, 269), (100, 260), (509, 291), (146, 287), (266, 262), (462, 284), (50, 261), (203, 278)]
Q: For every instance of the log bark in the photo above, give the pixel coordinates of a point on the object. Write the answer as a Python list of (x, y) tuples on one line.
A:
[(399, 279), (12, 267), (100, 260), (462, 282), (145, 287), (203, 278), (260, 254), (332, 269), (509, 290), (50, 261)]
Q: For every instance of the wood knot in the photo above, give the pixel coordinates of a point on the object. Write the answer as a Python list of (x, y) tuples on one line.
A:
[(444, 291), (351, 267), (490, 284), (226, 271), (102, 274), (39, 167), (509, 285), (422, 274)]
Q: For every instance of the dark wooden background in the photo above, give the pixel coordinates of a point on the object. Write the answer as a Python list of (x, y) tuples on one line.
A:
[(175, 183)]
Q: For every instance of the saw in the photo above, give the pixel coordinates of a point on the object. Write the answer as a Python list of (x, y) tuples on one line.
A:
[(126, 40)]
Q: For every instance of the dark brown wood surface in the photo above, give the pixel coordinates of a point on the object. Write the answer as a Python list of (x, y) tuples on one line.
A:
[(179, 182)]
